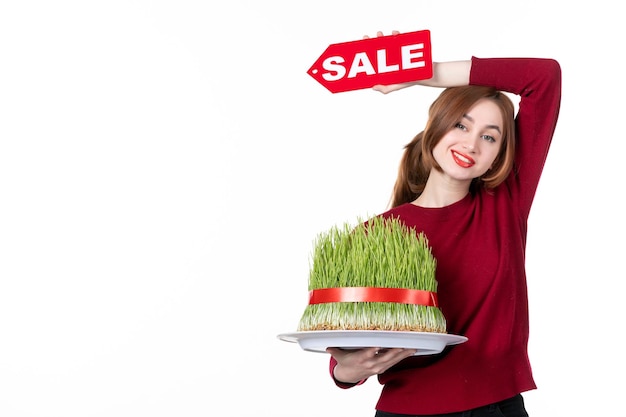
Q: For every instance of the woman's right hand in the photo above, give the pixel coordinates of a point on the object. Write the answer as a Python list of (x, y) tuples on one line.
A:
[(355, 365)]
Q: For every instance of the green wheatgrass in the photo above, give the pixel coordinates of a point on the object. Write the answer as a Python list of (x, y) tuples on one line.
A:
[(377, 253)]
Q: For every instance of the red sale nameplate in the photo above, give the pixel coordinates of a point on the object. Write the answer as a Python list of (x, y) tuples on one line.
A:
[(381, 60)]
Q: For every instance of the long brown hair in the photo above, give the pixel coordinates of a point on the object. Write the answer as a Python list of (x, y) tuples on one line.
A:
[(444, 113)]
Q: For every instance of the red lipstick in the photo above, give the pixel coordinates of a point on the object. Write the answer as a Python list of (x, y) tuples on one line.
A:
[(462, 159)]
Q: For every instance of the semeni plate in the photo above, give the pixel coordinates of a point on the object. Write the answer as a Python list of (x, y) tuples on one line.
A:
[(426, 343)]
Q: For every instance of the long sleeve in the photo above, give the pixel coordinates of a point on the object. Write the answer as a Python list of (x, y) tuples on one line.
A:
[(538, 84)]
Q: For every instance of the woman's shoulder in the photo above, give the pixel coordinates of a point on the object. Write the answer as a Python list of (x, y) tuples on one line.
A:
[(399, 210)]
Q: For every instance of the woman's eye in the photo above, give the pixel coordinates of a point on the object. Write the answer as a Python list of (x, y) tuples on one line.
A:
[(460, 126), (489, 138)]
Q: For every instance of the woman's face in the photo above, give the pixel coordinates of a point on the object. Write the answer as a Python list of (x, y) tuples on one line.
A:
[(470, 148)]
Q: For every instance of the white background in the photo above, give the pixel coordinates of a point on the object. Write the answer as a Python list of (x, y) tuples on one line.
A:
[(166, 165)]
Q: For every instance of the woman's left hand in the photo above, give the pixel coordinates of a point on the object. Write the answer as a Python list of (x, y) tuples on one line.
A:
[(385, 89)]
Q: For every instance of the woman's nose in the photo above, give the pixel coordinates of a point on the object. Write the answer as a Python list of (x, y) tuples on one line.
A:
[(470, 145)]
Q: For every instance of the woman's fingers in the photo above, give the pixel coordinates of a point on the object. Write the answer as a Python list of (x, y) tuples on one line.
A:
[(379, 34)]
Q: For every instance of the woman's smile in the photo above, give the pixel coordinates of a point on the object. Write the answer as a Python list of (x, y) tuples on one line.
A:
[(462, 160)]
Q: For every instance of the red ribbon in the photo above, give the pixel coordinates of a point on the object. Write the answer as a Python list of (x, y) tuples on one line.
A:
[(373, 295)]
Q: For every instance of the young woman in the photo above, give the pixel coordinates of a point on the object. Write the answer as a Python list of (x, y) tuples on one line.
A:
[(468, 181)]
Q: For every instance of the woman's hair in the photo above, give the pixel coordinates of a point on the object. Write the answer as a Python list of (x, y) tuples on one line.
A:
[(444, 114)]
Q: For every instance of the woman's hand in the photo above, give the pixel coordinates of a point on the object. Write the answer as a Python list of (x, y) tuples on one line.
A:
[(445, 74), (380, 34), (355, 365), (385, 89)]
